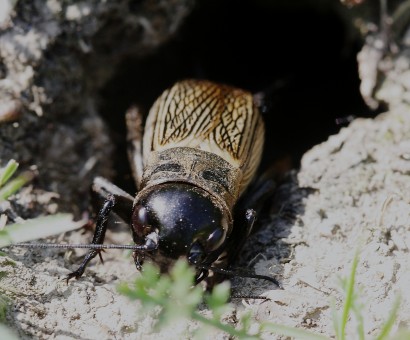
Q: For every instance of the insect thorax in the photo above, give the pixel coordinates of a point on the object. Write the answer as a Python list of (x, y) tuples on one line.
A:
[(203, 169)]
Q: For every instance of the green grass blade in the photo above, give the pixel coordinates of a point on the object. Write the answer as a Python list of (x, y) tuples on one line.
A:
[(390, 321), (360, 323), (11, 187), (291, 331), (8, 171), (40, 227), (349, 298)]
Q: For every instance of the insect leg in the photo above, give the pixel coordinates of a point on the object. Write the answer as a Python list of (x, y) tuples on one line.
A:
[(201, 276), (250, 218), (115, 200), (243, 226), (99, 235), (260, 193), (102, 188), (134, 120), (244, 223), (267, 98)]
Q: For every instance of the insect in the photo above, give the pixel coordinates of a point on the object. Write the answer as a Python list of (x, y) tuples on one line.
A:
[(192, 164)]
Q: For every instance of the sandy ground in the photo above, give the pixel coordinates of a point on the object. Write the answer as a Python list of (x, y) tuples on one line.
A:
[(361, 203), (352, 193)]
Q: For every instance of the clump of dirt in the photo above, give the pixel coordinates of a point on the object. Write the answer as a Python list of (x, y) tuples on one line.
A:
[(54, 59), (360, 204)]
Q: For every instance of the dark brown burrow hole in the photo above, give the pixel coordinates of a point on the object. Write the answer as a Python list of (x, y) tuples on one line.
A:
[(304, 54)]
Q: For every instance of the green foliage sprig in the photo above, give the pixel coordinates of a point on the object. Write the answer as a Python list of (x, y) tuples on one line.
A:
[(39, 227), (177, 298), (9, 187)]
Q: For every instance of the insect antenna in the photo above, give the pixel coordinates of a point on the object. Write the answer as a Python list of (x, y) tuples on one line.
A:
[(145, 247), (232, 273)]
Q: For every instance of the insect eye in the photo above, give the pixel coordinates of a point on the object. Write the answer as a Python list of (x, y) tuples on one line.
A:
[(140, 220), (196, 253)]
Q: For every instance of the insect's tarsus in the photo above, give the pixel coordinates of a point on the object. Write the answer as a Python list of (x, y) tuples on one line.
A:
[(232, 273)]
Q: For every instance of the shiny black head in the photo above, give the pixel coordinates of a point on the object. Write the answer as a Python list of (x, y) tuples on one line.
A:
[(189, 222)]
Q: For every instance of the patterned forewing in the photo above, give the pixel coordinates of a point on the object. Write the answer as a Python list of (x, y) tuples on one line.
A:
[(235, 126), (190, 110), (214, 118)]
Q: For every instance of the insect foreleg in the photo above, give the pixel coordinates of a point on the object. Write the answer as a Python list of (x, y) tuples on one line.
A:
[(259, 194), (99, 235), (250, 218), (245, 221), (102, 188)]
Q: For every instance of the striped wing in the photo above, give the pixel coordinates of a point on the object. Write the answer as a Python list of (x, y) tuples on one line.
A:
[(201, 114)]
